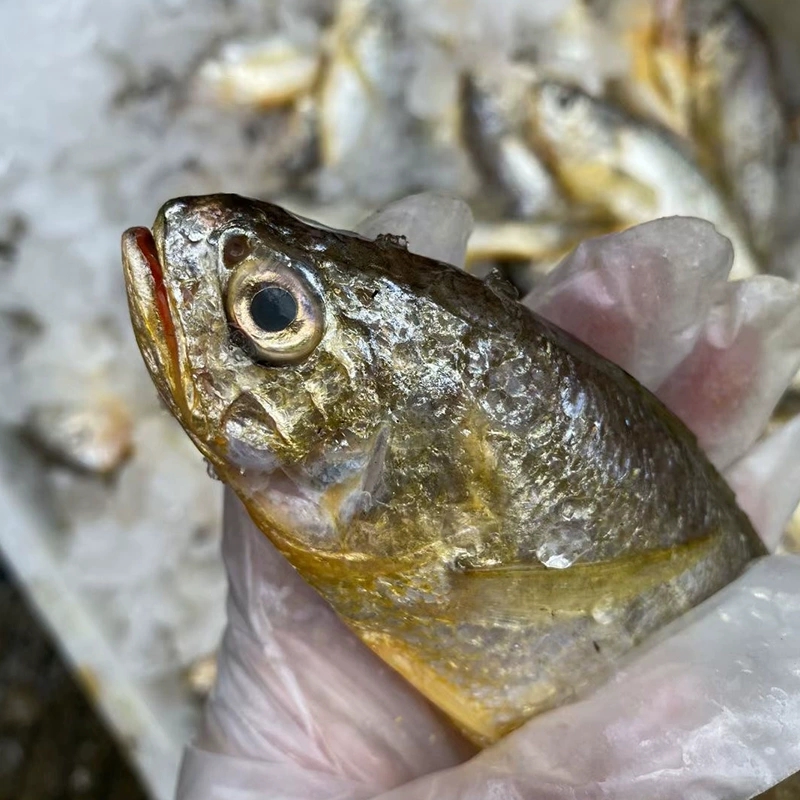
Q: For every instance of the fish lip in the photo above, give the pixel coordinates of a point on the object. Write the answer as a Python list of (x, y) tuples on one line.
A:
[(149, 306)]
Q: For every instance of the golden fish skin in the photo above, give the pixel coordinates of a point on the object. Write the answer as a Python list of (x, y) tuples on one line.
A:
[(496, 510)]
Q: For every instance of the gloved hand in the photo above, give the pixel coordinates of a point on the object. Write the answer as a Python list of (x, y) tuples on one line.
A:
[(710, 708)]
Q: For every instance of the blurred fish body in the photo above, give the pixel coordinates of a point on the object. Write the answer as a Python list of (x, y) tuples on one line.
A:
[(708, 135), (263, 75), (358, 79), (94, 438), (738, 117), (635, 172), (524, 241), (785, 258), (528, 250), (657, 83), (494, 134), (496, 510)]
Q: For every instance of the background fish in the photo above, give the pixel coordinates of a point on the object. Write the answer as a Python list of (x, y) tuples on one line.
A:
[(496, 510), (676, 108), (738, 115), (493, 125), (634, 171)]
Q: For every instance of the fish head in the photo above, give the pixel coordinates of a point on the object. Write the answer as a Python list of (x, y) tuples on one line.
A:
[(565, 121), (259, 339)]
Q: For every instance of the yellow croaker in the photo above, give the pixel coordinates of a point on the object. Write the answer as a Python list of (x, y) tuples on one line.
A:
[(496, 510)]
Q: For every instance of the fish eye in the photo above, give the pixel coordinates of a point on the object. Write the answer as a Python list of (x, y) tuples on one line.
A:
[(564, 97), (271, 304)]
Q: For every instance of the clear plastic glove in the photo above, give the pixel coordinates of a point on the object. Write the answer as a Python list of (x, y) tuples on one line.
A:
[(709, 708)]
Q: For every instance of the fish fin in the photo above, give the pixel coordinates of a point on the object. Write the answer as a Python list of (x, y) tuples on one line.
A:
[(587, 614), (498, 591), (471, 716), (358, 492)]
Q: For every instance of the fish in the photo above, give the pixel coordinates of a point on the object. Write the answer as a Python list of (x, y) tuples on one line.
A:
[(497, 511), (738, 114), (94, 437), (632, 171), (357, 86), (260, 75), (657, 83), (494, 137), (528, 250)]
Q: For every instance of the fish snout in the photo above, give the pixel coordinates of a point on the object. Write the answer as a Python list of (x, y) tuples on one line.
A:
[(186, 227)]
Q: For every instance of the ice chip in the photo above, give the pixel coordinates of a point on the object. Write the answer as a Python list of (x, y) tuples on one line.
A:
[(439, 225), (767, 482), (640, 297), (740, 365)]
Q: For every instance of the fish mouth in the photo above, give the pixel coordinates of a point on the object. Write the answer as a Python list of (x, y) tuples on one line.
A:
[(149, 306)]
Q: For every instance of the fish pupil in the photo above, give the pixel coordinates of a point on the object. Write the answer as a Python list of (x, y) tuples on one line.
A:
[(565, 99), (273, 309)]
